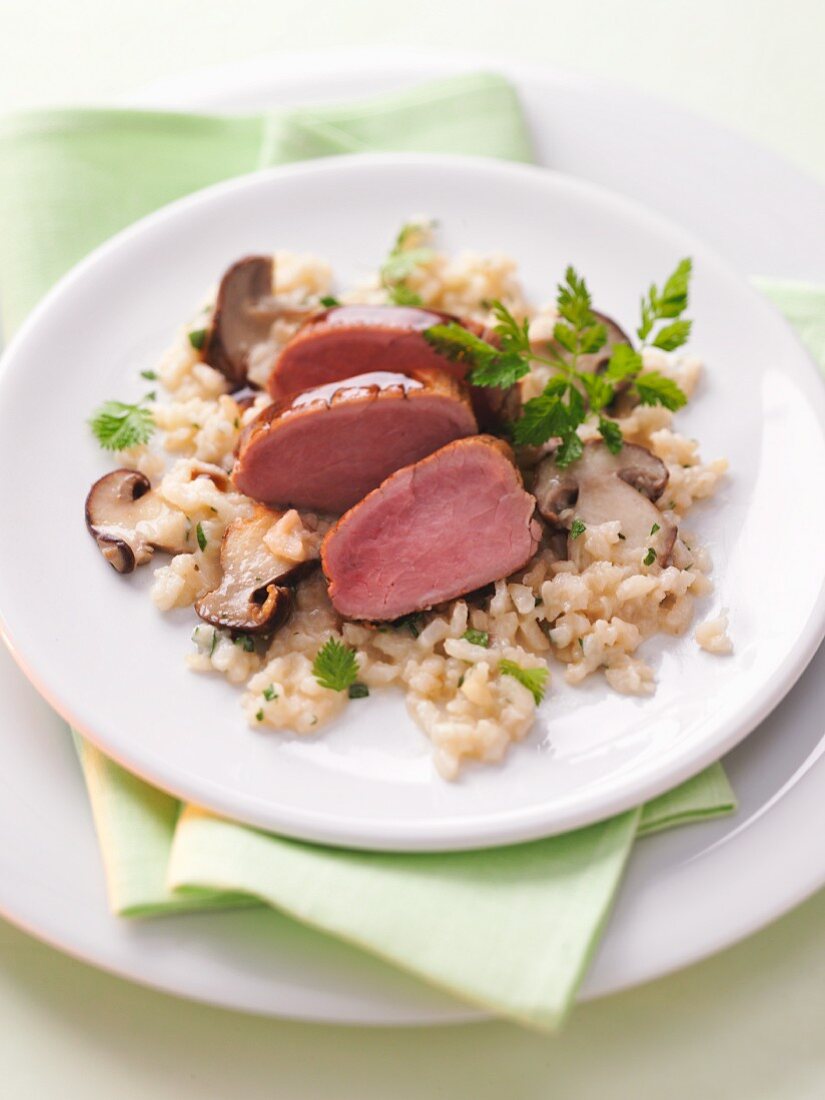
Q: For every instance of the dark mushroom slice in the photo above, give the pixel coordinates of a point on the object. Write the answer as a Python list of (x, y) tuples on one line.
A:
[(602, 487), (116, 504), (255, 595), (245, 310)]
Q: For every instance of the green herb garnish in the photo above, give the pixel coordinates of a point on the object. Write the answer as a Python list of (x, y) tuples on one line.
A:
[(577, 528), (197, 338), (655, 528), (404, 258), (358, 691), (328, 301), (649, 557), (335, 666), (201, 537), (477, 637), (119, 426), (149, 375), (269, 693), (572, 396), (259, 717), (534, 679), (246, 642)]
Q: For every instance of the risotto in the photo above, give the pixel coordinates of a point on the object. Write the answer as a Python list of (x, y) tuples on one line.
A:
[(582, 613)]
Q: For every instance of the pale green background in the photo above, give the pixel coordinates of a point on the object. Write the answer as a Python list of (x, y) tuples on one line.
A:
[(749, 1023)]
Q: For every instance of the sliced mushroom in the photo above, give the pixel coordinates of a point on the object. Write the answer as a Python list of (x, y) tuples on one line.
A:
[(255, 595), (245, 309), (602, 487), (117, 505)]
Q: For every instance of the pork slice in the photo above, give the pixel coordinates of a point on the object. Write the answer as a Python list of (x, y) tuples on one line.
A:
[(348, 340), (326, 448), (447, 525)]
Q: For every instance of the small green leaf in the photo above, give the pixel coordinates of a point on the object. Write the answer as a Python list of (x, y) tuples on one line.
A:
[(401, 295), (577, 528), (477, 637), (246, 642), (672, 336), (269, 693), (358, 691), (611, 433), (649, 557), (149, 375), (625, 361), (655, 528), (335, 666), (542, 418), (119, 426), (534, 679), (570, 450), (201, 537), (654, 388), (197, 338), (328, 302)]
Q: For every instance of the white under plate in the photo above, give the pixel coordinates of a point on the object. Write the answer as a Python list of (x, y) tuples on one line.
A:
[(112, 665), (688, 892)]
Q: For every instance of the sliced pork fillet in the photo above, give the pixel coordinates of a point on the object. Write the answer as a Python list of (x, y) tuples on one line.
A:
[(326, 448), (431, 532), (347, 340)]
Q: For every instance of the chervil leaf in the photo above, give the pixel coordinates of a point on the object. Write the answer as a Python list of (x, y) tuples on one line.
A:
[(477, 637), (118, 426), (593, 339), (459, 344), (513, 336), (611, 433), (674, 297), (401, 295), (566, 336), (625, 361), (404, 258), (542, 418), (577, 528), (534, 679), (654, 388), (504, 371), (335, 666), (599, 391), (573, 300), (328, 301), (570, 451), (672, 336), (491, 366)]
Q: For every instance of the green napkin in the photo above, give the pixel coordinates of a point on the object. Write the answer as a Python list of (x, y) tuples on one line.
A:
[(511, 929)]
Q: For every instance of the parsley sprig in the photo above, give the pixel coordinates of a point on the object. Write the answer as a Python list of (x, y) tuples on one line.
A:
[(118, 426), (573, 395), (407, 254), (534, 679), (335, 665)]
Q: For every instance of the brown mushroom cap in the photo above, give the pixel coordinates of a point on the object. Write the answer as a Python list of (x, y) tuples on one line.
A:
[(116, 504), (245, 309), (255, 594), (602, 487)]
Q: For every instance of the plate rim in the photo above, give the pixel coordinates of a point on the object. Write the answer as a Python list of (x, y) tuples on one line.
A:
[(512, 826)]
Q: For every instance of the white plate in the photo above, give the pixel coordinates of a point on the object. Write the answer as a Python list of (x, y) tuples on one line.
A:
[(113, 666), (686, 893)]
